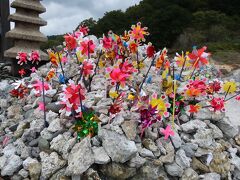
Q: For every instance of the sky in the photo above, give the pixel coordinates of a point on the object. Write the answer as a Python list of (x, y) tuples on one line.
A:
[(64, 15)]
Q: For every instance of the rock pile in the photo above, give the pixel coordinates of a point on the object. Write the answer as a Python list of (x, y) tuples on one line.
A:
[(206, 146)]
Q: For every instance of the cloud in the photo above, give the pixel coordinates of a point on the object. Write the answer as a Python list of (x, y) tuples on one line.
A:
[(64, 15)]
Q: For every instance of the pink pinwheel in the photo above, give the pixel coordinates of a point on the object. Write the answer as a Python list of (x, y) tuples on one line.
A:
[(33, 69), (117, 76), (71, 42), (127, 68), (22, 58), (107, 42), (35, 57), (38, 86), (86, 46), (150, 51), (22, 72), (198, 57), (41, 106), (87, 68), (167, 132)]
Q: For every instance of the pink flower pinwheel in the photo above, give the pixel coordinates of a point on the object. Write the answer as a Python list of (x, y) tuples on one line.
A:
[(167, 132), (87, 68), (198, 57), (22, 58), (35, 57), (41, 106), (127, 68), (38, 86), (117, 76), (86, 46), (138, 32), (107, 42)]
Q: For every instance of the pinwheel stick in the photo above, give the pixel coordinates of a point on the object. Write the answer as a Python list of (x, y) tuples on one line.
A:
[(227, 92), (232, 97), (44, 104), (95, 71), (60, 62), (144, 79), (184, 63), (194, 68)]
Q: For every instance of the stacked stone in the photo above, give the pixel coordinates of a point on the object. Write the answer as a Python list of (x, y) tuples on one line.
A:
[(26, 34)]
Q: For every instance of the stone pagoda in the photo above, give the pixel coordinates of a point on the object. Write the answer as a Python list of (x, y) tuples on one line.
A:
[(26, 35)]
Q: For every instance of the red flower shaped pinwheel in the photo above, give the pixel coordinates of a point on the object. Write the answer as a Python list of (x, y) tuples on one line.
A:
[(22, 58), (138, 32), (117, 76), (107, 42), (38, 86), (150, 51), (217, 105), (199, 57), (70, 98), (84, 30), (71, 42), (87, 68), (86, 46)]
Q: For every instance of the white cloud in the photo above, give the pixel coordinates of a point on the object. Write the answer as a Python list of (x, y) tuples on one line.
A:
[(64, 15)]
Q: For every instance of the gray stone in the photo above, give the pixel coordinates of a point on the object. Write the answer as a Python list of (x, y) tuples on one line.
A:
[(55, 126), (189, 174), (80, 158), (150, 144), (50, 164), (217, 133), (22, 149), (23, 173), (34, 168), (117, 146), (210, 176), (95, 141), (11, 165), (193, 125), (46, 134), (190, 149), (146, 153), (136, 162), (50, 116), (63, 144), (130, 129), (151, 134), (227, 128), (174, 169), (118, 120), (43, 144), (177, 141), (182, 160), (104, 119), (203, 138), (100, 155), (54, 107), (117, 171), (60, 175), (21, 127)]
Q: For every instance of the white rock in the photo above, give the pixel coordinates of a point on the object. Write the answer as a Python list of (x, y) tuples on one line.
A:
[(55, 125), (146, 153), (227, 128), (100, 155), (12, 164), (50, 164), (80, 158), (203, 138), (174, 170), (182, 160), (117, 146), (210, 176), (23, 173), (193, 125)]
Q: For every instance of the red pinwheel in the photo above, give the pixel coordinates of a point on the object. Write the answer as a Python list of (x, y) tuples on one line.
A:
[(167, 132), (87, 47), (35, 57), (198, 57), (22, 58), (87, 68), (150, 51), (71, 42), (107, 42)]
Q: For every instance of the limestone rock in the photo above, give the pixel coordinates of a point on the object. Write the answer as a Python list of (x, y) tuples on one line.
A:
[(130, 129), (203, 138), (210, 176), (50, 164), (146, 153), (227, 128), (34, 168), (100, 155), (192, 126), (118, 171), (55, 126), (182, 160), (117, 146), (136, 162), (189, 174), (150, 144), (10, 164), (174, 169), (80, 158)]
